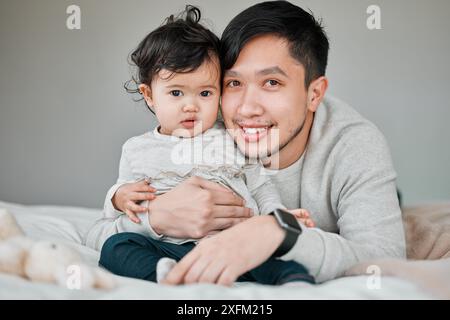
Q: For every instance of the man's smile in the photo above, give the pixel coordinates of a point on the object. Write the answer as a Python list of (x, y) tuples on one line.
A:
[(253, 132)]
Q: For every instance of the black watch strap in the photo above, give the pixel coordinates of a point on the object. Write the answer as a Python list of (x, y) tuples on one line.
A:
[(292, 229)]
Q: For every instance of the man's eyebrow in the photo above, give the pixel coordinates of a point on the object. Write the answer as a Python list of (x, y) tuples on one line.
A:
[(263, 72), (271, 70), (231, 73)]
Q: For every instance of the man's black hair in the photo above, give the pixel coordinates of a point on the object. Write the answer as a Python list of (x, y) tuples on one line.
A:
[(180, 45), (307, 40)]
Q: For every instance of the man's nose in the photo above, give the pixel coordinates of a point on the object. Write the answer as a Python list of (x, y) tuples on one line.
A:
[(249, 106)]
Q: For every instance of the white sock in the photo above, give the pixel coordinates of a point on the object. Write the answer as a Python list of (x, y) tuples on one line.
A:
[(163, 267)]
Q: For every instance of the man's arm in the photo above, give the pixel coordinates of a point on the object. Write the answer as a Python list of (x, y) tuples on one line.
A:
[(369, 222), (369, 217), (243, 247), (262, 189)]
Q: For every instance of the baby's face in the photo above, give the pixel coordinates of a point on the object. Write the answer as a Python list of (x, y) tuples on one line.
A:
[(186, 104)]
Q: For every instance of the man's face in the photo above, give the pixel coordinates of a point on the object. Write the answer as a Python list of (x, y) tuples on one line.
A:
[(264, 97)]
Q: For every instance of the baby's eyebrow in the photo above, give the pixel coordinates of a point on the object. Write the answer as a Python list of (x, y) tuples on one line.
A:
[(175, 86), (181, 86), (209, 86)]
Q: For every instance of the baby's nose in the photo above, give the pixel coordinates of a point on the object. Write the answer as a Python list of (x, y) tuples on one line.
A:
[(190, 107)]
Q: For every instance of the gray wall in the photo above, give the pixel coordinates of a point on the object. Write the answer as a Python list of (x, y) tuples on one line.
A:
[(64, 114)]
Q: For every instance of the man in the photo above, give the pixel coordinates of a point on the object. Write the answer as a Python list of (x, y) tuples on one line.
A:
[(322, 155)]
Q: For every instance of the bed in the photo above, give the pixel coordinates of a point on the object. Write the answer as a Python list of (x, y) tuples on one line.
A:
[(70, 224)]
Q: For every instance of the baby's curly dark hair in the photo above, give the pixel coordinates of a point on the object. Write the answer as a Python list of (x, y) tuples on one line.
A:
[(180, 45)]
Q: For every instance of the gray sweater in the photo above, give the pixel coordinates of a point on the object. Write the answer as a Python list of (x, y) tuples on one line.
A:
[(346, 179), (169, 160), (348, 183)]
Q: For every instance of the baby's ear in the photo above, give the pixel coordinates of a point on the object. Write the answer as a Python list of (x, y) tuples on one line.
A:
[(146, 91)]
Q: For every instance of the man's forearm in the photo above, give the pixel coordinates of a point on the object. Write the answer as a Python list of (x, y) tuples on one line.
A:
[(328, 255)]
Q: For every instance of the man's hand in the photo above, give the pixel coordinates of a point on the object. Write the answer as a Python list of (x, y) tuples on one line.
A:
[(126, 197), (223, 257), (196, 208)]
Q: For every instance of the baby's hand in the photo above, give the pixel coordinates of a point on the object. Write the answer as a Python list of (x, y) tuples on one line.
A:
[(303, 216), (128, 195)]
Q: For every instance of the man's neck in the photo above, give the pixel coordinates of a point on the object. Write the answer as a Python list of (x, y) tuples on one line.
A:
[(294, 149)]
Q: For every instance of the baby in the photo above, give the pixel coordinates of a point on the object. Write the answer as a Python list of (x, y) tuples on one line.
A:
[(180, 80)]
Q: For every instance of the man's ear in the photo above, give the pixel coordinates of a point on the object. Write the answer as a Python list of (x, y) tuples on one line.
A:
[(316, 92), (146, 91)]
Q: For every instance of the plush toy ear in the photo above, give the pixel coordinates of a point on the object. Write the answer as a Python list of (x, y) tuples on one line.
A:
[(8, 226), (104, 280), (12, 258), (82, 276), (76, 276)]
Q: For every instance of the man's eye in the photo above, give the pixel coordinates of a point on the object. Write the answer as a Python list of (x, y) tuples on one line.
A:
[(233, 83), (272, 83), (176, 93), (205, 93)]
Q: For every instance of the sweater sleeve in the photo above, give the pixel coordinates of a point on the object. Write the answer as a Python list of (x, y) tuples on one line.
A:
[(262, 189), (114, 221), (363, 185)]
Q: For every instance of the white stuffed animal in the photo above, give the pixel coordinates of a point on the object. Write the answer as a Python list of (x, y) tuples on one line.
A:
[(45, 261)]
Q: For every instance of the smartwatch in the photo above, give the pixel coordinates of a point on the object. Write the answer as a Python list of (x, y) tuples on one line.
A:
[(289, 224)]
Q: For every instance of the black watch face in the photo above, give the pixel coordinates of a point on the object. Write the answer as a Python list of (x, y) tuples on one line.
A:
[(288, 220)]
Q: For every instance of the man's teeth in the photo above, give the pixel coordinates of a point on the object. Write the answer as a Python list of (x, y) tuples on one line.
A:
[(254, 130)]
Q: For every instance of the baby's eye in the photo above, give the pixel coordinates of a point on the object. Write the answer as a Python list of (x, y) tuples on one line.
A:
[(233, 83), (205, 93), (272, 83), (176, 93)]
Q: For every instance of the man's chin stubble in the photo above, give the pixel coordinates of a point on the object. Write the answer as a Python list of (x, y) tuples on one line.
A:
[(265, 159)]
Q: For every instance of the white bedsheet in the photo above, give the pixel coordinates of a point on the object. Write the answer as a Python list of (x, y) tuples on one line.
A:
[(69, 225)]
